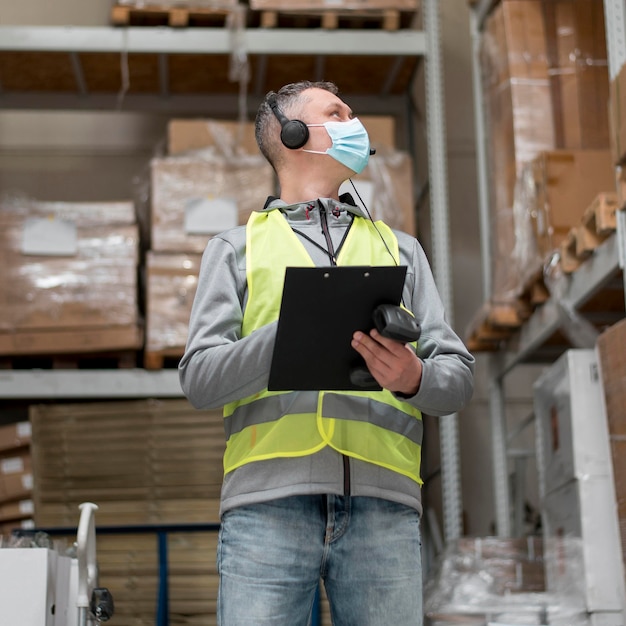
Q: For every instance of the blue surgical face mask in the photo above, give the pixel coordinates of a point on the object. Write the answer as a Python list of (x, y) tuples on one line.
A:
[(351, 143)]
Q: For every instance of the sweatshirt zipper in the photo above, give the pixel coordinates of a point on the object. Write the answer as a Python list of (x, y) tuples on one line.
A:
[(326, 233), (333, 261)]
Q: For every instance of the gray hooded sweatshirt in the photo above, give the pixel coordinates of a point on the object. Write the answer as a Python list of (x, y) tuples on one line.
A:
[(219, 366)]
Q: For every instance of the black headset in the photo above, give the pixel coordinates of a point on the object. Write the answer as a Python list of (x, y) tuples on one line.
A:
[(293, 133)]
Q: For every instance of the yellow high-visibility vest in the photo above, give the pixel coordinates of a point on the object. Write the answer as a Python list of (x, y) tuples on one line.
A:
[(373, 426)]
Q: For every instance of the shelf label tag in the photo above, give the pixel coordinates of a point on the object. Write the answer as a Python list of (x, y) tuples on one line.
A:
[(24, 430), (208, 216), (26, 507), (12, 465), (49, 237)]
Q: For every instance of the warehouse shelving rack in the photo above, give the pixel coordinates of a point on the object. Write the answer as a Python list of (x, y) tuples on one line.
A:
[(602, 273), (113, 52)]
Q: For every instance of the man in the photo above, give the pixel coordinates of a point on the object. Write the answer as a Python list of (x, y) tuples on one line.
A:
[(317, 484)]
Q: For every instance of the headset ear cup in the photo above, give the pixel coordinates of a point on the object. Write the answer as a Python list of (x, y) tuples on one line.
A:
[(294, 134)]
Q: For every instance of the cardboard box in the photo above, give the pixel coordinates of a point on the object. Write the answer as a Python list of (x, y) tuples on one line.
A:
[(171, 287), (17, 510), (15, 486), (517, 96), (15, 435), (194, 198), (618, 455), (7, 528), (184, 135), (612, 355), (577, 52), (15, 462), (565, 184), (67, 265), (164, 461)]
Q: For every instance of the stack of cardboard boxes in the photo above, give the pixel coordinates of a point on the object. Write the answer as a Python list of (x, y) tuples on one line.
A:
[(70, 279), (546, 94), (143, 462), (16, 477), (212, 178)]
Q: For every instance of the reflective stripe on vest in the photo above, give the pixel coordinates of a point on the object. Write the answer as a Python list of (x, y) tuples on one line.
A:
[(373, 426)]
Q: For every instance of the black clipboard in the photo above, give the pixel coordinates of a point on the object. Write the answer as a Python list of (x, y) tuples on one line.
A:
[(320, 310)]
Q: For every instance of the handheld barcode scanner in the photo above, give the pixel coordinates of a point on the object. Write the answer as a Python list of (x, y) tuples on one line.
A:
[(394, 322)]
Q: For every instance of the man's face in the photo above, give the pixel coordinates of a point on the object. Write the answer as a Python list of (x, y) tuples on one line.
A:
[(322, 106)]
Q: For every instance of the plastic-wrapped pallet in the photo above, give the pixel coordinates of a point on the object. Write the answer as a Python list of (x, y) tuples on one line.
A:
[(483, 581), (198, 193), (16, 479), (70, 276)]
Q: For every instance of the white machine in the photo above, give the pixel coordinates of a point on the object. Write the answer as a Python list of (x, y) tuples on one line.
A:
[(41, 587)]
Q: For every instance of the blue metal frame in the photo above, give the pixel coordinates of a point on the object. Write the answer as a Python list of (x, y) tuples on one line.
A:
[(162, 531)]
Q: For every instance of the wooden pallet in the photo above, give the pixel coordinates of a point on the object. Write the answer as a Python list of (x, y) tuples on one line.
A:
[(491, 325), (495, 323), (598, 222), (534, 291), (159, 359), (332, 19), (175, 17), (71, 348)]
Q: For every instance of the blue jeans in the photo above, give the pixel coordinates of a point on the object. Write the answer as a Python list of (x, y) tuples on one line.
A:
[(271, 556)]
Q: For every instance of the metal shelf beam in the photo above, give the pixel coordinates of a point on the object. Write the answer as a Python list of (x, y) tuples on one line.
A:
[(163, 40), (579, 287), (439, 211), (89, 384), (218, 104)]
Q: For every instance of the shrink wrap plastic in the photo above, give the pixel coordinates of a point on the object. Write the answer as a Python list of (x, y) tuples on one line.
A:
[(545, 88), (519, 125), (172, 283), (490, 579), (91, 282), (222, 184)]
